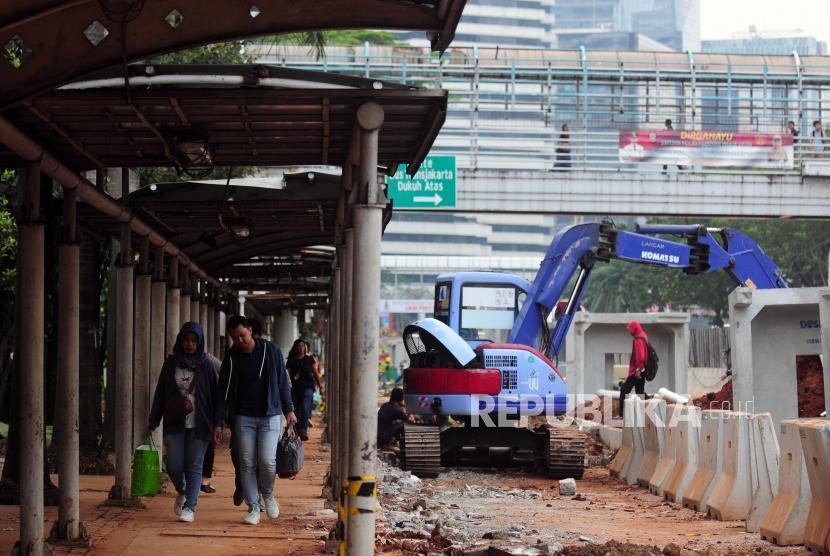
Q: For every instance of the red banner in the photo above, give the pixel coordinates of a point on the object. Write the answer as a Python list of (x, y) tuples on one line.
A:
[(706, 148)]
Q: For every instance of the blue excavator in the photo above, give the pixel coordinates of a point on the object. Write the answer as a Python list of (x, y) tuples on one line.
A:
[(485, 357)]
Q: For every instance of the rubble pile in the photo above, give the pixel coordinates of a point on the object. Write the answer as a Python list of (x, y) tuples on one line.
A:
[(416, 519)]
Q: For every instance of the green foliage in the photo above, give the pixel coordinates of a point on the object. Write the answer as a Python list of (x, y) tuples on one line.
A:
[(799, 247), (218, 53), (349, 37), (8, 231)]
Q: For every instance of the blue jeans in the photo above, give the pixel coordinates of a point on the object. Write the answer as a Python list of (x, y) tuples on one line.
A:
[(184, 454), (257, 439), (303, 402)]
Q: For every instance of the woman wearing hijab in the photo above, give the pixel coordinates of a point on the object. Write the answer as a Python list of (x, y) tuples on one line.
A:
[(184, 399)]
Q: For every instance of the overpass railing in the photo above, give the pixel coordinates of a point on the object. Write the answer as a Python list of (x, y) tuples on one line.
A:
[(507, 106)]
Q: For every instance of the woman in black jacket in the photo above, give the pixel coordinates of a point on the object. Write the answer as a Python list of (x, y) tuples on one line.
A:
[(184, 398)]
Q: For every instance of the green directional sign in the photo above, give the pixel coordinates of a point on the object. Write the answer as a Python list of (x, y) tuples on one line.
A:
[(432, 186)]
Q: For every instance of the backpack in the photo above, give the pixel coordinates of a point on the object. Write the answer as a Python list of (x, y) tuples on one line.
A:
[(652, 362)]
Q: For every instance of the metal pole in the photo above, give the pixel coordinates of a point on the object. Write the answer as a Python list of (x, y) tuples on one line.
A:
[(368, 229), (333, 382), (158, 313), (120, 493), (30, 330), (345, 375), (173, 300), (143, 322), (69, 525)]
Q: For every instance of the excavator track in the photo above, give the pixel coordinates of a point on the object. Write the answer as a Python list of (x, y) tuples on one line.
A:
[(421, 450), (565, 457)]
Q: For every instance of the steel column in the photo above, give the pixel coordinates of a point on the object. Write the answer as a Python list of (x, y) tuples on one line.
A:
[(368, 229), (184, 299), (334, 385), (345, 375), (173, 301), (68, 526), (31, 321), (217, 332), (203, 318)]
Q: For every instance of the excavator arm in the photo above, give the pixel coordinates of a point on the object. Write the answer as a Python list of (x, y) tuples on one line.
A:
[(575, 249)]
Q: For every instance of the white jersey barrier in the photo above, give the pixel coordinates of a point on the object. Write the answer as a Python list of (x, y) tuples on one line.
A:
[(635, 415), (655, 419), (667, 461), (784, 521), (687, 446), (710, 458), (731, 497), (764, 449), (815, 444)]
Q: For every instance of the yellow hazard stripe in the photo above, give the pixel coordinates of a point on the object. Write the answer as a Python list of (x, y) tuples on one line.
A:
[(365, 485)]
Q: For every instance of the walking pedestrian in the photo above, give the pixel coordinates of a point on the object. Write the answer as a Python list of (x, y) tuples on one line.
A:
[(254, 394), (304, 380), (184, 399), (636, 364)]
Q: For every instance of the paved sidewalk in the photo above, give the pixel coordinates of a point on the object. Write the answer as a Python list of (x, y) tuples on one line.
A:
[(218, 529)]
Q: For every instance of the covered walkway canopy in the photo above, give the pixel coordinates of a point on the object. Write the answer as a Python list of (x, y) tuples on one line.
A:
[(307, 238)]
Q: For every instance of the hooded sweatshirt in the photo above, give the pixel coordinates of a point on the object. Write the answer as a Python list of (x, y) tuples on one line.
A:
[(639, 348), (206, 368)]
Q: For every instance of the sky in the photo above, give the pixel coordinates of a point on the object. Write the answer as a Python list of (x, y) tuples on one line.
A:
[(721, 19)]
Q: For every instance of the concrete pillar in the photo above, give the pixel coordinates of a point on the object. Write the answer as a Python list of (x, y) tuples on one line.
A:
[(333, 382), (120, 494), (241, 300), (203, 317), (740, 344), (368, 229), (184, 305), (195, 294), (217, 332), (285, 329), (68, 526), (31, 330), (142, 388), (158, 315), (824, 316), (173, 302)]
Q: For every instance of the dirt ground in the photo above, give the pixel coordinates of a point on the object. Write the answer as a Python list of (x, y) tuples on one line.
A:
[(521, 510), (462, 512)]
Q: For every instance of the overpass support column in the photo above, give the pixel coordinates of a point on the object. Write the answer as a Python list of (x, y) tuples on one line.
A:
[(142, 387), (158, 315), (368, 228), (173, 302), (31, 321), (69, 526), (120, 494)]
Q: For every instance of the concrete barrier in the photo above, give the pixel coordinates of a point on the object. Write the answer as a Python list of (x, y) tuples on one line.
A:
[(636, 421), (666, 462), (710, 458), (623, 455), (655, 419), (731, 497), (784, 521), (686, 446), (610, 436), (815, 443), (764, 470)]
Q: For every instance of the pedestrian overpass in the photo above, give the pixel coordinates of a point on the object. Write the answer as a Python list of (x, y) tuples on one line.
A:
[(507, 106)]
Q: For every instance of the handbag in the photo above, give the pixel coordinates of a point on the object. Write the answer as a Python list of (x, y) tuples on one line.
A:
[(290, 454), (177, 408), (146, 479)]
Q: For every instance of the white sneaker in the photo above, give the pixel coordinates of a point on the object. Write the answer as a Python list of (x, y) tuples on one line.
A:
[(179, 503), (252, 518), (186, 515), (272, 508)]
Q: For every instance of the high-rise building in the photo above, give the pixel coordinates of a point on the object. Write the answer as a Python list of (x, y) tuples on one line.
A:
[(506, 23), (804, 46), (673, 23)]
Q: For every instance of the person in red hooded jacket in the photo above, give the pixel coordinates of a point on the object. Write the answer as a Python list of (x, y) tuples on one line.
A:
[(636, 364)]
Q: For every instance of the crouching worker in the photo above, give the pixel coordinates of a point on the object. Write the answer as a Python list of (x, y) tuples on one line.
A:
[(253, 394), (392, 417), (184, 398)]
